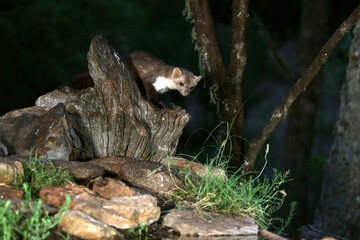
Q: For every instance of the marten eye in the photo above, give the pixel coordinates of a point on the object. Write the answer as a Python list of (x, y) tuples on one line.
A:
[(192, 88), (181, 84)]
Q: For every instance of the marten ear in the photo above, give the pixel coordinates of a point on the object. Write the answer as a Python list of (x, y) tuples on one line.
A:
[(197, 78), (176, 73)]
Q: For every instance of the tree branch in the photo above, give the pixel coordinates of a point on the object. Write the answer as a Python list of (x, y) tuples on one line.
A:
[(238, 57), (281, 110), (198, 12), (269, 235)]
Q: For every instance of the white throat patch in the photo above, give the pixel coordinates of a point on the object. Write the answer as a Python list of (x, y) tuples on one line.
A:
[(163, 84)]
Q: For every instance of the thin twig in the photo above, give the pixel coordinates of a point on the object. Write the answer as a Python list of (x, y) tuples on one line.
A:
[(271, 236)]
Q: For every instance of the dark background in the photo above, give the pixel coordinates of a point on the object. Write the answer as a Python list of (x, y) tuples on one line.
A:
[(44, 43)]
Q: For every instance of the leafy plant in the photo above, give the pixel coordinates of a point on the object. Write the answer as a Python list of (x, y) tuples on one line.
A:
[(139, 233), (8, 220), (285, 222), (31, 222)]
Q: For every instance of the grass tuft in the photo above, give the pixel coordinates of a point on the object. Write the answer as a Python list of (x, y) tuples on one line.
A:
[(236, 194), (39, 175), (34, 223)]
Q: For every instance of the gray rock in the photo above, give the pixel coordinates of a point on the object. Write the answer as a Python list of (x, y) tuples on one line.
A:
[(143, 208), (112, 165), (27, 207), (188, 222), (148, 175), (42, 127), (109, 188), (197, 168), (10, 171), (81, 225), (122, 212), (10, 193), (181, 237), (3, 150), (55, 196), (56, 97), (79, 170), (151, 176)]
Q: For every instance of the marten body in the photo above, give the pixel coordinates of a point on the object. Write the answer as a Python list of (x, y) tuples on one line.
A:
[(152, 75)]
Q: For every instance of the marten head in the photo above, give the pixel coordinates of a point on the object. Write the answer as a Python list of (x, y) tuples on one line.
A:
[(185, 80)]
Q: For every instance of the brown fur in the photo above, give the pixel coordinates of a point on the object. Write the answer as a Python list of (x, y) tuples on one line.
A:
[(146, 68)]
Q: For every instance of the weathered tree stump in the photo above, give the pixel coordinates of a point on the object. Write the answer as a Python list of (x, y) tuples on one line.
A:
[(112, 118)]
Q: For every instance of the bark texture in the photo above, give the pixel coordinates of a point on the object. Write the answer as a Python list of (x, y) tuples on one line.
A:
[(301, 120), (339, 208), (112, 118), (225, 83)]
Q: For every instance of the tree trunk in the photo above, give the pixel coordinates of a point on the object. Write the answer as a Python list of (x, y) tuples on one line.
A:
[(112, 118), (225, 83), (280, 111), (339, 208), (301, 120)]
